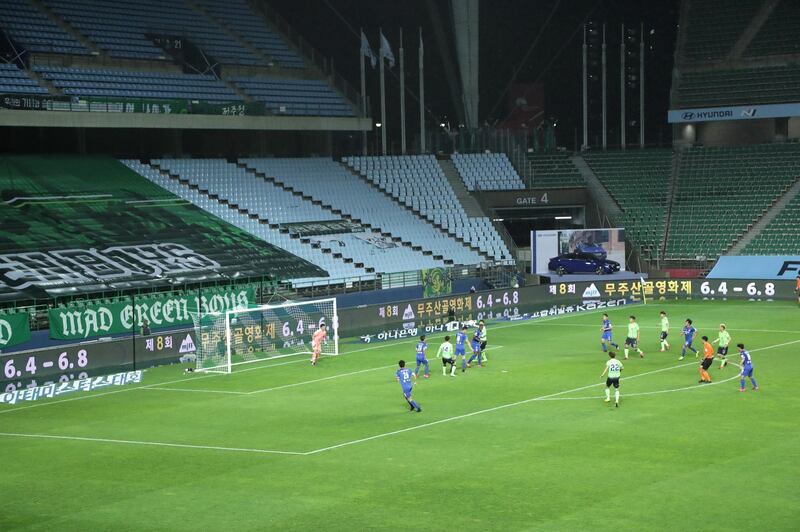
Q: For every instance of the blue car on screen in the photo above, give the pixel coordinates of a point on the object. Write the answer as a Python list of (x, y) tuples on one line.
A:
[(582, 263), (592, 249)]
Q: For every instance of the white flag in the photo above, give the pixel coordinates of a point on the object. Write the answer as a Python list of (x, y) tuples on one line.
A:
[(386, 51), (366, 50)]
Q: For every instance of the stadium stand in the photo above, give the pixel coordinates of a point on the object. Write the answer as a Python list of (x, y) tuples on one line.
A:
[(120, 28), (191, 170), (31, 29), (778, 35), (91, 204), (554, 170), (639, 182), (766, 84), (487, 171), (280, 209), (331, 184), (295, 96), (720, 192), (136, 84), (16, 81), (781, 236), (241, 19), (713, 26), (419, 183)]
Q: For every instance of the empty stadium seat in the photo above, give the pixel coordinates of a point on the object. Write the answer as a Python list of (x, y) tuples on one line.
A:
[(487, 171), (419, 182), (299, 97), (554, 170), (31, 29), (16, 81), (137, 84)]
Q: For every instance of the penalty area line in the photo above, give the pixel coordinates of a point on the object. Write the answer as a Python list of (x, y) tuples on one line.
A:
[(509, 405), (148, 443)]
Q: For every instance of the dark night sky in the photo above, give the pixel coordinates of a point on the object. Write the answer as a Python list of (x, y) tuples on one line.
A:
[(507, 30)]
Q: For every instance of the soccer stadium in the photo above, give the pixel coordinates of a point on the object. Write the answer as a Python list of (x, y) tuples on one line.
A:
[(373, 265)]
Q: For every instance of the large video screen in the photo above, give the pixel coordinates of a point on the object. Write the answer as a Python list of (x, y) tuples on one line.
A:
[(602, 244)]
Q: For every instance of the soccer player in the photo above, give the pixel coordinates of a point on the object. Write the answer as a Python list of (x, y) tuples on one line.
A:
[(747, 368), (688, 338), (407, 378), (724, 339), (708, 359), (422, 360), (632, 340), (320, 335), (605, 337), (446, 352), (461, 347), (484, 339), (614, 370), (664, 331), (476, 347), (797, 288)]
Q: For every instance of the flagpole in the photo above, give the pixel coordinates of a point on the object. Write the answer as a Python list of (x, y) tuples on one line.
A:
[(383, 103), (402, 98), (421, 96), (363, 95)]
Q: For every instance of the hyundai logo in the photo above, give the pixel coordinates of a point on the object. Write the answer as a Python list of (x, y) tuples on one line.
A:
[(688, 115)]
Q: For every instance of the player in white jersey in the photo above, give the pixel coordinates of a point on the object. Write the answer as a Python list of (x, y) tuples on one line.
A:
[(614, 370), (446, 352)]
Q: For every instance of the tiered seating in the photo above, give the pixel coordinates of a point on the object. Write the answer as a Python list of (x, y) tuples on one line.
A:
[(714, 26), (279, 207), (16, 81), (300, 97), (554, 170), (781, 236), (135, 84), (120, 28), (195, 170), (639, 181), (30, 28), (720, 192), (326, 181), (238, 15), (487, 171), (84, 203), (778, 35), (744, 86), (420, 183)]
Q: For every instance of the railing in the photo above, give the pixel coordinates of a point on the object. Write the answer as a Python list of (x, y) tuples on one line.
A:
[(312, 54)]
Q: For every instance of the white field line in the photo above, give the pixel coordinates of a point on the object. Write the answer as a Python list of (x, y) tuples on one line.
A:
[(678, 331), (636, 394), (292, 385), (266, 366), (377, 436), (509, 405), (152, 443)]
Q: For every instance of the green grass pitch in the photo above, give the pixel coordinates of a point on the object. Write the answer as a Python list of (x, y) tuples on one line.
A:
[(526, 443)]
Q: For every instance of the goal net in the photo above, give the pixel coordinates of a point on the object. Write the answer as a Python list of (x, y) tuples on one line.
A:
[(244, 336)]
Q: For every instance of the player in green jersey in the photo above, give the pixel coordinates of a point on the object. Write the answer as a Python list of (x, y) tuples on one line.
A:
[(632, 341), (724, 340), (664, 331), (446, 352), (614, 370)]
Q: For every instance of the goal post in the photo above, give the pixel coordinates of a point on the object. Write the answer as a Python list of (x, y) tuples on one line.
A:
[(247, 335)]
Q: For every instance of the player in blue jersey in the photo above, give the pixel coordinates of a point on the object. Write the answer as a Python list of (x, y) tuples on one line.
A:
[(747, 368), (688, 337), (605, 338), (422, 360), (461, 347), (477, 338), (407, 378)]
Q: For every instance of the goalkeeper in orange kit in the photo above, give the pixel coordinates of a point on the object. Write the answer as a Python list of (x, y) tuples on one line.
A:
[(708, 359)]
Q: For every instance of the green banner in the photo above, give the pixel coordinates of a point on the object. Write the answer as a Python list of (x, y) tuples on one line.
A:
[(14, 329), (436, 282), (99, 318)]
